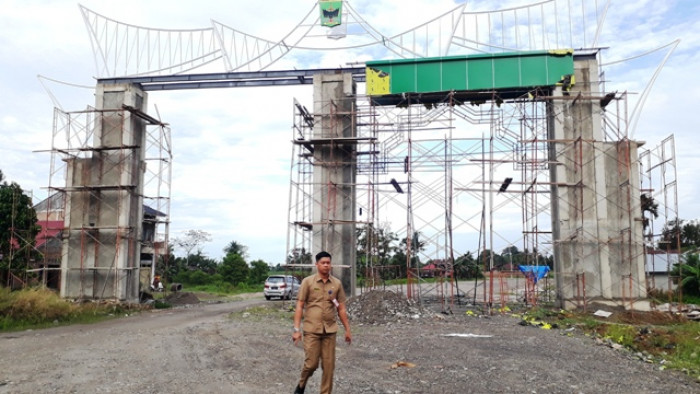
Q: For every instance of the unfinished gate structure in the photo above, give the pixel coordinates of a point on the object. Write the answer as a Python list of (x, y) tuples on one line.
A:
[(110, 169), (425, 156), (544, 166)]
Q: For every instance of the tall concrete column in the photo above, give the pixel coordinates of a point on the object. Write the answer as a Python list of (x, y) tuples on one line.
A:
[(598, 253), (101, 248), (335, 164)]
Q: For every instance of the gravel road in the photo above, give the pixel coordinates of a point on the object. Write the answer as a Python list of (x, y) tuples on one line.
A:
[(219, 348)]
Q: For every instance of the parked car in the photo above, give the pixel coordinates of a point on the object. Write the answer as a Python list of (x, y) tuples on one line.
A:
[(282, 286)]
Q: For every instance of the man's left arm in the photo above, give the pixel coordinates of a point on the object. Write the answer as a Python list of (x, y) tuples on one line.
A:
[(343, 314)]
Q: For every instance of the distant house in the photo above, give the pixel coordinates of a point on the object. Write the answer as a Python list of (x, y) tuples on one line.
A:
[(434, 268), (151, 246), (50, 214), (658, 264), (49, 241)]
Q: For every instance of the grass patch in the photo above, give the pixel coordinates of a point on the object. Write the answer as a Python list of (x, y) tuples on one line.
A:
[(223, 289), (666, 338), (159, 304), (267, 312), (41, 308), (660, 297)]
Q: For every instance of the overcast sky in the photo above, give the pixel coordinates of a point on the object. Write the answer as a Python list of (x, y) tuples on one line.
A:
[(232, 146)]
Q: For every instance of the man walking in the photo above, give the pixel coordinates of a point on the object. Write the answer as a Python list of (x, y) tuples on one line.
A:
[(321, 297)]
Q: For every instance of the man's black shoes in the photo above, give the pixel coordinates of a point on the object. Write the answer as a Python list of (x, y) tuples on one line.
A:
[(299, 390)]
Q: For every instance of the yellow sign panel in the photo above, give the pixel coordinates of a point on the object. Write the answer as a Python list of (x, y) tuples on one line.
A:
[(378, 82)]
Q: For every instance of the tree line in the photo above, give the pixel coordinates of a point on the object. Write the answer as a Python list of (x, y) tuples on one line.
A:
[(197, 269), (380, 252)]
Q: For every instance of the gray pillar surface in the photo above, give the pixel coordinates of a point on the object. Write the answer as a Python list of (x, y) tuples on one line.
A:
[(104, 202), (598, 244), (335, 163)]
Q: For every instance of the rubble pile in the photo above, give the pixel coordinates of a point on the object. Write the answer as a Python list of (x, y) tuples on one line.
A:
[(690, 311), (181, 298), (379, 307)]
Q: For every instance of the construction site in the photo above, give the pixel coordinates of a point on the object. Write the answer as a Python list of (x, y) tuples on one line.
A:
[(504, 135)]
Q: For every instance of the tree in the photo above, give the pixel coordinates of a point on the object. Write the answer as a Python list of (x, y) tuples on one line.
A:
[(689, 274), (670, 234), (200, 262), (192, 239), (685, 232), (169, 265), (485, 260), (690, 234), (510, 250), (417, 246), (18, 226), (258, 273), (298, 256), (234, 269), (236, 248), (466, 267), (377, 242), (648, 205)]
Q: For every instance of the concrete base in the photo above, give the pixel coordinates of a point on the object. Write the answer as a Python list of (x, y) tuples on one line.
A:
[(602, 303)]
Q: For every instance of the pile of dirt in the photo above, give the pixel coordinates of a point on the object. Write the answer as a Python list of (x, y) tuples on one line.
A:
[(380, 306), (181, 298), (652, 317)]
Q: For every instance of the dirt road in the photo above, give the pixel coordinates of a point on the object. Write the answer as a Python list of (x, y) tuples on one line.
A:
[(217, 348)]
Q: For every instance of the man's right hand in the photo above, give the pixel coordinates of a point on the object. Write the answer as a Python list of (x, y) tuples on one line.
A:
[(296, 337)]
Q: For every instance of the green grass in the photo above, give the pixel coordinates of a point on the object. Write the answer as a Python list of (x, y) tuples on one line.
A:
[(660, 297), (670, 340), (42, 308), (267, 312), (223, 288), (622, 334)]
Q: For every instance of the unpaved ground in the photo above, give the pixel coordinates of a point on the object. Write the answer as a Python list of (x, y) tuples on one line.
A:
[(218, 348)]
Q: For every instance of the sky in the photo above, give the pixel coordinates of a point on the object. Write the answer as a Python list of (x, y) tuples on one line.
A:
[(232, 148)]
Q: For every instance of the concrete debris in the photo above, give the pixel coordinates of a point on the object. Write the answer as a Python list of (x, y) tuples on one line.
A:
[(691, 311), (381, 307), (602, 313)]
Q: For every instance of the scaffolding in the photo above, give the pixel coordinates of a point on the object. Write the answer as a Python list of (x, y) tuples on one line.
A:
[(662, 238), (453, 175), (108, 167)]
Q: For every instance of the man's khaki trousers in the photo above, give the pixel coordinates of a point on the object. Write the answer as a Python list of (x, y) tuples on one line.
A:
[(319, 347)]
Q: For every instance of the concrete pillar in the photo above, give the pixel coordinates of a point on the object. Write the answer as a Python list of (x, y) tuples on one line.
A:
[(335, 163), (598, 251), (104, 189)]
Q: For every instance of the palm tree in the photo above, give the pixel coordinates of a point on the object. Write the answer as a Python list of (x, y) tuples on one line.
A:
[(648, 205), (234, 247)]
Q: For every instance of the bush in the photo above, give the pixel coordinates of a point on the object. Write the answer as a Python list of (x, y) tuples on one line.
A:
[(689, 273), (182, 277), (34, 306), (199, 278)]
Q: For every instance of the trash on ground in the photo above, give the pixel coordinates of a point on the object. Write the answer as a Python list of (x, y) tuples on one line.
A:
[(402, 364), (467, 335)]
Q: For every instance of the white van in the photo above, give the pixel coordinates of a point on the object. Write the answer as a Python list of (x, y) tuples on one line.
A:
[(282, 286)]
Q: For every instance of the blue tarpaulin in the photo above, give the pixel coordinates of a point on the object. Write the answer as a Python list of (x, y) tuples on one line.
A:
[(536, 272)]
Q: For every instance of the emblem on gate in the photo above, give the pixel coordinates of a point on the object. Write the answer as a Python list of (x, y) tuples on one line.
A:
[(330, 12)]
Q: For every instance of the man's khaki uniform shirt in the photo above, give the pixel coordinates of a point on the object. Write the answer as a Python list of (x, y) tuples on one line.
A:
[(319, 311)]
